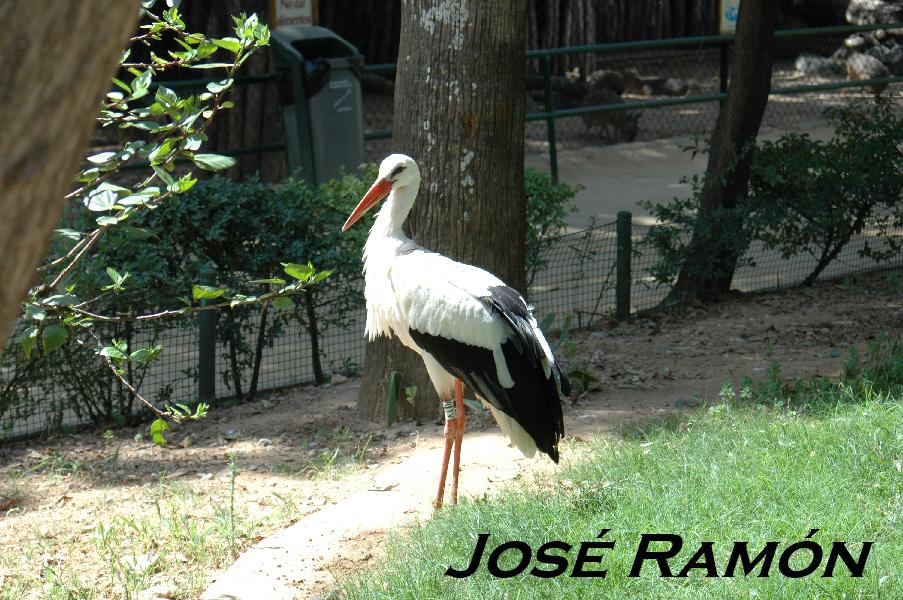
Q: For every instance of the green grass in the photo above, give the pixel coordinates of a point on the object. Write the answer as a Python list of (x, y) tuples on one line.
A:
[(768, 463)]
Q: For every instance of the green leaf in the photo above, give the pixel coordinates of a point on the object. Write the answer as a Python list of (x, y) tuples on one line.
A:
[(141, 84), (27, 340), (184, 183), (114, 274), (284, 302), (300, 272), (135, 199), (215, 87), (164, 175), (101, 200), (156, 431), (320, 276), (206, 292), (161, 152), (143, 125), (213, 162), (193, 142), (143, 355), (122, 85), (273, 280), (53, 337), (211, 66), (35, 313), (231, 44), (69, 234), (60, 300), (166, 96), (107, 220), (112, 352), (102, 157)]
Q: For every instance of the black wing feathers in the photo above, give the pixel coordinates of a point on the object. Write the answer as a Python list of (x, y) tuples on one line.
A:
[(534, 400)]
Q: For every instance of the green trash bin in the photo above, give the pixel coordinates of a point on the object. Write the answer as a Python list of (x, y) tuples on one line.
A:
[(321, 96)]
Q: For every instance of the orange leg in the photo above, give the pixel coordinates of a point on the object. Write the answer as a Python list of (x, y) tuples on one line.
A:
[(454, 434)]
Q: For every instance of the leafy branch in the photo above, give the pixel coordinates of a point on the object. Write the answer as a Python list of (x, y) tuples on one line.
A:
[(172, 130)]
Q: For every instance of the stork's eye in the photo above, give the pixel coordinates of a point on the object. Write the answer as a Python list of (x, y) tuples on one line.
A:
[(396, 171)]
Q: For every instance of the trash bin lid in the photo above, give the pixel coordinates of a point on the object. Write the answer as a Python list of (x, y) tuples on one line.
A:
[(315, 42)]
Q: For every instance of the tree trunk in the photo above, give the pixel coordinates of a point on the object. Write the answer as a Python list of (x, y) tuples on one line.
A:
[(459, 111), (55, 67), (256, 118), (710, 267), (313, 331)]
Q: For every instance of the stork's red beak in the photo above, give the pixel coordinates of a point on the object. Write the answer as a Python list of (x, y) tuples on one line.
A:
[(379, 190)]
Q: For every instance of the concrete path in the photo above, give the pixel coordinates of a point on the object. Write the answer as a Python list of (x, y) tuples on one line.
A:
[(300, 556), (620, 177)]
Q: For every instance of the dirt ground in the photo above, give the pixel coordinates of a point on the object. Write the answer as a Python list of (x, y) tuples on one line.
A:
[(308, 446)]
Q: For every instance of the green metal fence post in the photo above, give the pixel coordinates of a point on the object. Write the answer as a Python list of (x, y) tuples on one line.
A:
[(550, 110), (207, 343), (623, 281)]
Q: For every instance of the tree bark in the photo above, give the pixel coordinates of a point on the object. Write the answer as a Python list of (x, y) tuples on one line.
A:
[(55, 67), (459, 111), (710, 267)]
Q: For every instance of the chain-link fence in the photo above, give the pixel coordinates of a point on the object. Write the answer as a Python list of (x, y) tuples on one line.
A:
[(633, 91), (576, 279)]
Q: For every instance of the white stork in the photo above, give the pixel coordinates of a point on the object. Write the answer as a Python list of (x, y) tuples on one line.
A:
[(465, 323)]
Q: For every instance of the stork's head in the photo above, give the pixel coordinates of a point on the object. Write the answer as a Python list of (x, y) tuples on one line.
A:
[(396, 171)]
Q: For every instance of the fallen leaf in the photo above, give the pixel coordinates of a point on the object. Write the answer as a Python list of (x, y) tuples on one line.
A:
[(8, 503)]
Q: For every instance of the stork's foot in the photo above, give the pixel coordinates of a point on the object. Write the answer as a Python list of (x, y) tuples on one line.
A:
[(454, 436)]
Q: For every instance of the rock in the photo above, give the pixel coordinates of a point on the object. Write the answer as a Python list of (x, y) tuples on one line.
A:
[(856, 42), (186, 442), (337, 378), (606, 80), (613, 127), (266, 404), (264, 442), (673, 86), (893, 60), (841, 55), (653, 86), (231, 435), (872, 12), (891, 55), (862, 66), (818, 66)]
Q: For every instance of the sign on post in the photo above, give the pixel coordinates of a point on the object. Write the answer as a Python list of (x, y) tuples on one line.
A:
[(727, 16), (292, 12)]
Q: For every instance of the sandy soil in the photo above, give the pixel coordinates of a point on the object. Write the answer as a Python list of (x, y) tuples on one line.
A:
[(56, 489)]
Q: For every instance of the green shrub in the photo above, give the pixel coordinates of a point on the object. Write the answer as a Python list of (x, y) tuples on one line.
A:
[(548, 203), (805, 197), (810, 196), (247, 227)]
